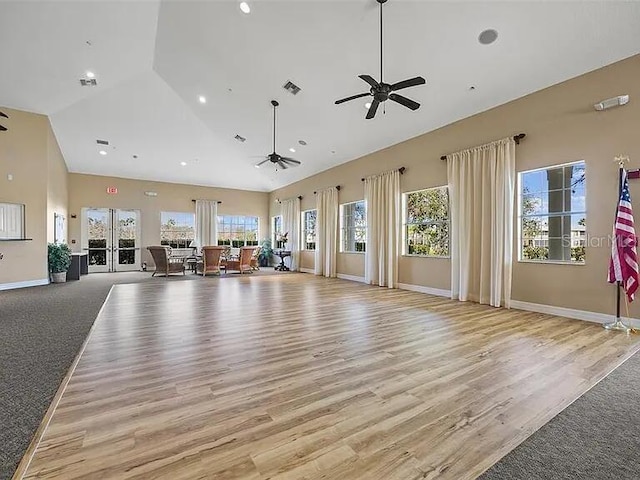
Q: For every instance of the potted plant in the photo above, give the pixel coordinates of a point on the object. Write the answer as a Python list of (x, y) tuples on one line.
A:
[(266, 251), (59, 255)]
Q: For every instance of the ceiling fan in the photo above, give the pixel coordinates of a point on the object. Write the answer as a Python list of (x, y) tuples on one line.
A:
[(3, 128), (380, 91), (277, 160)]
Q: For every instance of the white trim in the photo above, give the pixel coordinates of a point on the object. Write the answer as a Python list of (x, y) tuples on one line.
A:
[(571, 313), (27, 283), (428, 290), (351, 278), (307, 270)]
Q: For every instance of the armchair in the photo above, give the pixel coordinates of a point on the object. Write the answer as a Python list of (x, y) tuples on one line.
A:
[(211, 256), (164, 263), (243, 263)]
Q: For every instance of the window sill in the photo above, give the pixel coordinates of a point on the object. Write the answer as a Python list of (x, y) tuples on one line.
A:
[(356, 253), (553, 262), (412, 255)]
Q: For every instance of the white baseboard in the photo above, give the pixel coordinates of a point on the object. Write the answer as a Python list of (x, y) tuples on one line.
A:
[(28, 283), (307, 270), (572, 313), (352, 278), (422, 289)]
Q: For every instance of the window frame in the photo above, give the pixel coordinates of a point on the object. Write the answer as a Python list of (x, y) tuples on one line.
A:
[(277, 244), (308, 231), (221, 223), (521, 217), (343, 228), (192, 214), (406, 224)]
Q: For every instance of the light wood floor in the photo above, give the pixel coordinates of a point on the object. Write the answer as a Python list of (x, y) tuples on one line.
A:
[(298, 377)]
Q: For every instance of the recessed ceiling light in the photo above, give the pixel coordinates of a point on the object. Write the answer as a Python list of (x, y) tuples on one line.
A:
[(488, 36), (202, 99), (90, 74), (244, 6), (292, 150), (257, 166), (184, 164), (102, 152), (302, 142), (367, 105)]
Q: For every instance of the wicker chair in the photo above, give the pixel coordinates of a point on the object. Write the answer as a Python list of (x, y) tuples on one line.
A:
[(243, 263), (164, 264), (211, 256), (255, 259)]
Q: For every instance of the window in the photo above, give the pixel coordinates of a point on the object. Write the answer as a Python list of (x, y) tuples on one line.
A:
[(353, 229), (276, 228), (553, 214), (237, 230), (309, 229), (427, 222), (177, 229)]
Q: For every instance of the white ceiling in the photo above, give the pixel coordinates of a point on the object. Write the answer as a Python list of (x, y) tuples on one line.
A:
[(153, 59)]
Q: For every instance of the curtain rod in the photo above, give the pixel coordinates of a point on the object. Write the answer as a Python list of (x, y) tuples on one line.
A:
[(299, 198), (337, 188), (401, 170), (219, 201), (516, 138)]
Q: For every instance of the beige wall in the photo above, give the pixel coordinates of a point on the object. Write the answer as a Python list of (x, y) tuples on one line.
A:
[(24, 155), (561, 126), (90, 191), (57, 193)]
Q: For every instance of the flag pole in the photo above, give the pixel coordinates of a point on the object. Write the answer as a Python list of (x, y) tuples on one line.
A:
[(617, 324)]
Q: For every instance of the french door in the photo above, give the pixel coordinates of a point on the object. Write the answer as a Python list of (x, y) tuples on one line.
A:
[(112, 239)]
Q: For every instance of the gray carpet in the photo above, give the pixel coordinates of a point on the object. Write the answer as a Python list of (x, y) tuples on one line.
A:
[(596, 437), (41, 332)]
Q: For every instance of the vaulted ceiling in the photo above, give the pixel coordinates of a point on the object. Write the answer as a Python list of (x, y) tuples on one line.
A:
[(153, 60)]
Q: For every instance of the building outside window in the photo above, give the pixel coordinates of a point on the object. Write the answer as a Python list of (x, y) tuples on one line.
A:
[(553, 214), (237, 230), (177, 229), (309, 229), (276, 229), (353, 227), (426, 228)]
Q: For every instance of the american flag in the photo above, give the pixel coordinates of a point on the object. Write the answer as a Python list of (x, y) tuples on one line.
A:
[(623, 266)]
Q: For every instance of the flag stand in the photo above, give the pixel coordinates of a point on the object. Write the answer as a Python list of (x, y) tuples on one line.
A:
[(617, 324)]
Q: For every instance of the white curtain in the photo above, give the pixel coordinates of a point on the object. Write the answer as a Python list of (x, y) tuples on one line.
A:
[(291, 226), (206, 223), (326, 232), (481, 189), (382, 194)]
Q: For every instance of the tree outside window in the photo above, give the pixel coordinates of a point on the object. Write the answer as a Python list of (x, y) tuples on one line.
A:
[(553, 214), (354, 227), (427, 222), (309, 229), (237, 230), (177, 229)]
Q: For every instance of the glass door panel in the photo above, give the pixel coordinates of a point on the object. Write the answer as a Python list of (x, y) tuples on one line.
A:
[(127, 250), (98, 234)]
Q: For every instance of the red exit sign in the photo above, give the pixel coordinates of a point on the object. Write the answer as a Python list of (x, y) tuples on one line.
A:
[(112, 190)]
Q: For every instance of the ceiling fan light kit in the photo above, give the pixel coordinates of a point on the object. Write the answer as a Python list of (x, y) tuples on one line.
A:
[(277, 160), (381, 91)]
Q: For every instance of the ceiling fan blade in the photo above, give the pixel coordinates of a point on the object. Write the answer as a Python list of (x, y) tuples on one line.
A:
[(369, 80), (290, 160), (2, 114), (3, 129), (262, 162), (372, 109), (404, 101), (284, 166), (360, 95), (412, 82)]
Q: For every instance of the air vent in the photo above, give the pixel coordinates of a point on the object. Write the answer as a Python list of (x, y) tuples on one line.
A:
[(240, 139), (291, 87), (88, 82), (102, 142)]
